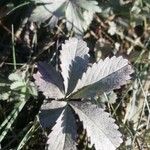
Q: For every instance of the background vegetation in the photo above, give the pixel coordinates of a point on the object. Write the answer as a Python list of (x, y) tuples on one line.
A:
[(121, 28)]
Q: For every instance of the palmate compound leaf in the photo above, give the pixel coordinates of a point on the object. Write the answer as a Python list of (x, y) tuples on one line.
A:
[(78, 13), (63, 135), (103, 76), (74, 60), (99, 126), (49, 81)]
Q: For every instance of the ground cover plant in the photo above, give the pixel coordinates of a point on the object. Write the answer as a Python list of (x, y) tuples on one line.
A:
[(74, 74), (80, 81)]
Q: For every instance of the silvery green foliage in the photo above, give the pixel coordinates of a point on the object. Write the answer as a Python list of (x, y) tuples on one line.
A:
[(103, 76), (78, 13), (77, 80), (64, 132), (19, 81), (112, 28), (106, 130), (108, 97), (115, 7), (52, 81), (73, 62), (50, 112), (140, 10)]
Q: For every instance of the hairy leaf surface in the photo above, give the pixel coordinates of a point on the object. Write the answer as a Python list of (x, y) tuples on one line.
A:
[(100, 127), (74, 61), (49, 81), (50, 111), (103, 76), (78, 19), (75, 80), (63, 134), (78, 13), (46, 9)]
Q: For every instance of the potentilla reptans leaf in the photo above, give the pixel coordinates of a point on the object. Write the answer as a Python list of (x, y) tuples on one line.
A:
[(90, 5), (46, 9), (49, 81), (75, 80), (74, 60), (64, 132), (103, 76), (100, 127), (78, 13), (49, 113)]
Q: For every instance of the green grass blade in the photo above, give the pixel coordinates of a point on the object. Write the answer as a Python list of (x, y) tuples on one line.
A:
[(28, 135), (13, 48), (10, 120)]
